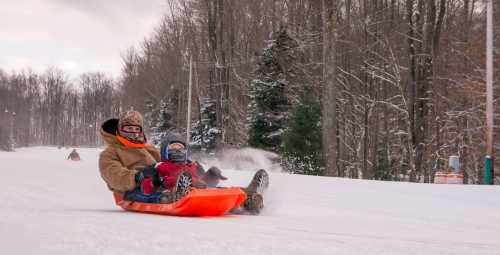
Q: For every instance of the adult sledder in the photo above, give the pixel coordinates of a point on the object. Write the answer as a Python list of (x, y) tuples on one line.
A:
[(123, 166)]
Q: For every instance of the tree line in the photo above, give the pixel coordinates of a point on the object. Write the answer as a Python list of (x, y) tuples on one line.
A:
[(383, 89), (50, 109)]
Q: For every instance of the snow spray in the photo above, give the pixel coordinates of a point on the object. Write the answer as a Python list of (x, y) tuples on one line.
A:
[(244, 159)]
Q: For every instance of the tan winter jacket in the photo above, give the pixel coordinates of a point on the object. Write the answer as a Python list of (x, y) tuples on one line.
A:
[(118, 164)]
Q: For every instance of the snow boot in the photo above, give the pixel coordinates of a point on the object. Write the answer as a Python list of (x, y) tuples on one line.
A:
[(254, 202), (259, 183), (183, 185)]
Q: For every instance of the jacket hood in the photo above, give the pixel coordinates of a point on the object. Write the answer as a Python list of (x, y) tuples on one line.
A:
[(108, 132)]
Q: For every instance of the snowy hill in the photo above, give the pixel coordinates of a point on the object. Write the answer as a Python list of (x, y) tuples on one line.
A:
[(54, 206)]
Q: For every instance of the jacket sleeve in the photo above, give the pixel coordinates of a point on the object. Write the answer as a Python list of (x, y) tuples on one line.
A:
[(113, 172), (154, 152)]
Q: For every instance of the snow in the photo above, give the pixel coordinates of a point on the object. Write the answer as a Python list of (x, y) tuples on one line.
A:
[(54, 206)]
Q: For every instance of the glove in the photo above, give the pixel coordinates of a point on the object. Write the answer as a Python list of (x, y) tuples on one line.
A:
[(149, 172)]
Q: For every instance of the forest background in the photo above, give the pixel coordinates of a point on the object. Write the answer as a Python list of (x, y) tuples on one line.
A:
[(383, 89)]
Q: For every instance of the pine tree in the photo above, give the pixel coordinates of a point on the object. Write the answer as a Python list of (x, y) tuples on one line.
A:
[(302, 139), (204, 132), (269, 102), (159, 119), (164, 118), (6, 141)]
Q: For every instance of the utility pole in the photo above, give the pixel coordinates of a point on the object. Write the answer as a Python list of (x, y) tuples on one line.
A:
[(489, 166), (188, 120)]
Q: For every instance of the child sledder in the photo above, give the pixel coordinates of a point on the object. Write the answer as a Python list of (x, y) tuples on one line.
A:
[(176, 168), (129, 167)]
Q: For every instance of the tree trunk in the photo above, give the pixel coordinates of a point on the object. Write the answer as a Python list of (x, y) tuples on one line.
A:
[(329, 111)]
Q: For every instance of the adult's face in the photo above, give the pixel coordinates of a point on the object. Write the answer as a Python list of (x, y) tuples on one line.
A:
[(131, 129)]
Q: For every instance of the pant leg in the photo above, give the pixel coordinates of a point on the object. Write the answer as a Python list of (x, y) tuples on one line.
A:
[(137, 195)]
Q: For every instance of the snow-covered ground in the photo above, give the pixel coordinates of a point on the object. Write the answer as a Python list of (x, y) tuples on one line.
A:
[(50, 205)]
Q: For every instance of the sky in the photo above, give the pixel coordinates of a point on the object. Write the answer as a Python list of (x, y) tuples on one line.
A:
[(76, 36)]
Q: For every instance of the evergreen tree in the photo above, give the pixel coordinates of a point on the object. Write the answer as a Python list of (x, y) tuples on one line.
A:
[(6, 141), (204, 133), (269, 102), (159, 119), (302, 139), (164, 118)]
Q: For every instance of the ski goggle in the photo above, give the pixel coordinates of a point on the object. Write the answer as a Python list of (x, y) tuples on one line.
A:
[(173, 151)]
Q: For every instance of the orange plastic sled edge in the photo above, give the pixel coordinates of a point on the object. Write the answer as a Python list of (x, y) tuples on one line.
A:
[(199, 202)]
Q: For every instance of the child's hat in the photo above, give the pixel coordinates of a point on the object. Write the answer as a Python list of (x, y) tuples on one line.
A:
[(215, 172)]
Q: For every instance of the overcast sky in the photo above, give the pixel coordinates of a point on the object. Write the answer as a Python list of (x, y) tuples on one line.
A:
[(74, 35)]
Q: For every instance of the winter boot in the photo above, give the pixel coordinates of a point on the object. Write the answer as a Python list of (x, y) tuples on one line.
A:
[(254, 202), (167, 197), (259, 183), (182, 187)]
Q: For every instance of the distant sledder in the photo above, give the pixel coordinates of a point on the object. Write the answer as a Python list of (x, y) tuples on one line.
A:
[(74, 156), (176, 186)]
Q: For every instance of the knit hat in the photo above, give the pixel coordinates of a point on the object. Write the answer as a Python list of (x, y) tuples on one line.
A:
[(132, 118)]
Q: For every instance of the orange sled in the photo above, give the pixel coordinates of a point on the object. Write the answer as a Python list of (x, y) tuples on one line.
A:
[(199, 202)]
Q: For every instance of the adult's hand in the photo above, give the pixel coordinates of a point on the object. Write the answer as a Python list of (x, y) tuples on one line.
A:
[(149, 172)]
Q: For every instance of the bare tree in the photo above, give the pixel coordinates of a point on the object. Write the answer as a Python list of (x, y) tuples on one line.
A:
[(329, 100)]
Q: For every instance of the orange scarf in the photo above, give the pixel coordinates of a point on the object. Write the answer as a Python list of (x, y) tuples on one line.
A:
[(128, 143)]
